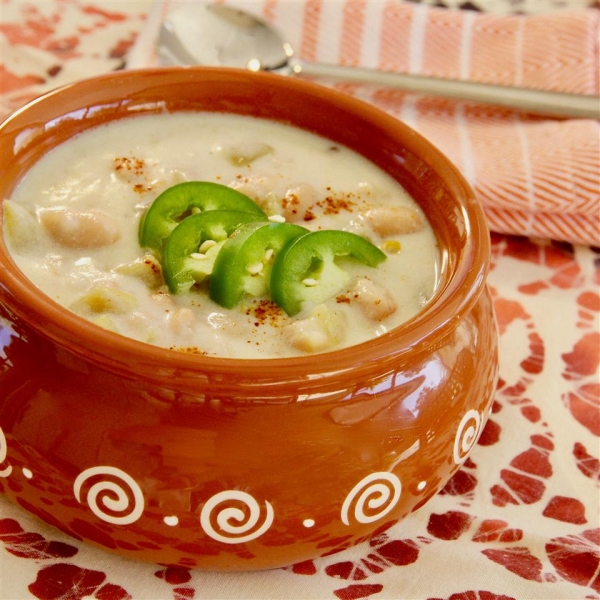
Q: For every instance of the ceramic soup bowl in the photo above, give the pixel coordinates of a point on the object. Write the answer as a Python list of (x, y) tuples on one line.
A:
[(232, 464)]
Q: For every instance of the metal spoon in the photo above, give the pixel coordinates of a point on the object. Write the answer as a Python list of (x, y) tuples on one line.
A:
[(219, 35)]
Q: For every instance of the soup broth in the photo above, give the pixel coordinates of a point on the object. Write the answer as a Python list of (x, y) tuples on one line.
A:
[(72, 227)]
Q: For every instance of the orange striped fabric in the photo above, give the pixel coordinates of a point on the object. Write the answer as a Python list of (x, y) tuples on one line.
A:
[(534, 176), (311, 22), (353, 31), (269, 8), (394, 38)]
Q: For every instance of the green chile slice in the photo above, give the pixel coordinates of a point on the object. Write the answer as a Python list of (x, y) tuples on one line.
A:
[(306, 269), (175, 202), (245, 260), (182, 263)]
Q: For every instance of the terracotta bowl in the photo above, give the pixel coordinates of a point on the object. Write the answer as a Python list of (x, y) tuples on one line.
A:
[(232, 464)]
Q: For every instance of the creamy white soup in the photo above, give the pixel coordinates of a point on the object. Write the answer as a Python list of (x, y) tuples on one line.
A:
[(73, 223)]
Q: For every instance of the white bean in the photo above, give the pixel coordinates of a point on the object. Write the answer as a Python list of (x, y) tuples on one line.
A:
[(321, 330), (297, 201), (376, 302), (75, 229), (394, 220)]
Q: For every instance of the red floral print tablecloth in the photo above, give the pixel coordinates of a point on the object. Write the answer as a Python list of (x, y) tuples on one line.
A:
[(520, 520)]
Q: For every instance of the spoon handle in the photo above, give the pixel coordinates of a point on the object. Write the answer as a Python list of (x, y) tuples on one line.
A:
[(540, 102)]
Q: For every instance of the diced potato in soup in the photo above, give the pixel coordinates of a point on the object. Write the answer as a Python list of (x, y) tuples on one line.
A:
[(72, 227)]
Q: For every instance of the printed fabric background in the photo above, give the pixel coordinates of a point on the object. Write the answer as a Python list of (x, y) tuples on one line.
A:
[(520, 520)]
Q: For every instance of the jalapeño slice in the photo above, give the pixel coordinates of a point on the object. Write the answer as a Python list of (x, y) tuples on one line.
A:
[(178, 201), (244, 263), (306, 269), (193, 245)]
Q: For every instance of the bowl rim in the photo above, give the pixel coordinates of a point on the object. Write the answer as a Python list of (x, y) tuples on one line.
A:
[(448, 307)]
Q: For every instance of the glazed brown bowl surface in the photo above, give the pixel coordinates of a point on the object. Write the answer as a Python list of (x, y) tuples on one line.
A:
[(231, 464)]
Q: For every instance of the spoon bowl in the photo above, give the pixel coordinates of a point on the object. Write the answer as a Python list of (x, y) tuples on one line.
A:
[(218, 35)]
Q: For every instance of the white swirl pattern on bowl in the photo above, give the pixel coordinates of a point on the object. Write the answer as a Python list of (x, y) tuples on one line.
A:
[(99, 494), (234, 516)]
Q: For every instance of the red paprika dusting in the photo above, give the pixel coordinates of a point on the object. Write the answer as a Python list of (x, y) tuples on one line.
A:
[(189, 350), (265, 311)]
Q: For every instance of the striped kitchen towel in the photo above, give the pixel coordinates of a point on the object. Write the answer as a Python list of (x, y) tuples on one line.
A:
[(535, 176)]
